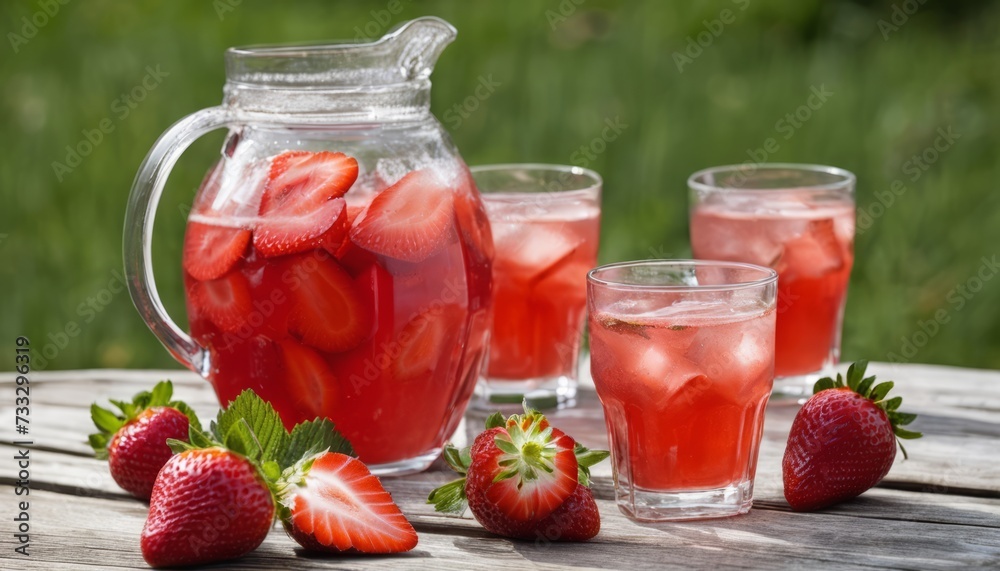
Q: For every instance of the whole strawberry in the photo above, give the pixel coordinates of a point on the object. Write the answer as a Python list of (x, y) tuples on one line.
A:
[(524, 479), (208, 504), (135, 441), (843, 440)]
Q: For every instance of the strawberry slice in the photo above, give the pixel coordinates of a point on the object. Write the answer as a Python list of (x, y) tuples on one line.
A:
[(338, 505), (410, 220), (309, 382), (225, 301), (422, 342), (329, 313), (300, 200), (334, 238), (210, 251)]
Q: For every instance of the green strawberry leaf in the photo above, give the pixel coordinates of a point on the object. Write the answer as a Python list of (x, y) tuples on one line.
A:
[(99, 442), (199, 439), (495, 420), (310, 438), (585, 458), (823, 384), (449, 498), (855, 373), (271, 470), (240, 438), (161, 393), (262, 421), (864, 387), (459, 460), (901, 418), (906, 434), (880, 390), (105, 420), (178, 446), (892, 404)]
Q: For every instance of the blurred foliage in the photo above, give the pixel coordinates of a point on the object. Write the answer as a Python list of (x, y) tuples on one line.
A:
[(564, 68)]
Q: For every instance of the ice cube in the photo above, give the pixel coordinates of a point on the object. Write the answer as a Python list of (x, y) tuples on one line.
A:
[(664, 372), (815, 253), (533, 248)]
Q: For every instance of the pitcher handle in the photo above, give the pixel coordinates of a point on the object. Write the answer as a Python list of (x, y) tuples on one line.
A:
[(139, 217)]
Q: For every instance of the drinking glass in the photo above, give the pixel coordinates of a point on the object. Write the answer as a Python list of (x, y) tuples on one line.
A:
[(799, 220), (682, 355), (545, 221)]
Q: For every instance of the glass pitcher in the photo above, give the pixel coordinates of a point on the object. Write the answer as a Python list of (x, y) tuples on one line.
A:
[(337, 257)]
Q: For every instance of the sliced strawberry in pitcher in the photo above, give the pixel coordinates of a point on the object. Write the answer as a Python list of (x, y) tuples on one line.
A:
[(410, 220), (329, 312), (225, 301), (210, 251), (334, 238), (423, 342), (302, 200), (309, 383)]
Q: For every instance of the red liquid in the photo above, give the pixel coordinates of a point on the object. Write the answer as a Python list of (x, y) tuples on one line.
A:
[(683, 395), (401, 388), (812, 251), (540, 285)]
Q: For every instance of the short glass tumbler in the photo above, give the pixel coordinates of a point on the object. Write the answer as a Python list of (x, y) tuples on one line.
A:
[(799, 220), (682, 355), (545, 221)]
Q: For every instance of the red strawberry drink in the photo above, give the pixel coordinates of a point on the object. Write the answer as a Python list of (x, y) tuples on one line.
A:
[(335, 292), (545, 222), (682, 355), (806, 234)]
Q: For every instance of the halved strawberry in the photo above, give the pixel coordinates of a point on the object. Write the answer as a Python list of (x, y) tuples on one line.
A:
[(210, 251), (525, 479), (309, 382), (225, 301), (423, 340), (335, 504), (300, 200), (329, 312), (408, 221), (475, 226)]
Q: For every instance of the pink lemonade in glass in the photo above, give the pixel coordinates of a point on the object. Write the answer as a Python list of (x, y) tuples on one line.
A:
[(805, 234), (545, 236), (370, 307), (683, 379)]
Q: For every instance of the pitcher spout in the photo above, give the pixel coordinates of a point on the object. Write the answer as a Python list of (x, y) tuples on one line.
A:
[(418, 43)]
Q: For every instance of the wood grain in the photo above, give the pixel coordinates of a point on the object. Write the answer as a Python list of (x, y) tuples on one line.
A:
[(938, 510)]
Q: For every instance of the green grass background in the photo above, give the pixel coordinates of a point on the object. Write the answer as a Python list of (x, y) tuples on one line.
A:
[(563, 69)]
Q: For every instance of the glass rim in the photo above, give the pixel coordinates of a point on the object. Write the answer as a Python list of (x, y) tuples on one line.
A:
[(771, 276), (596, 181), (846, 182)]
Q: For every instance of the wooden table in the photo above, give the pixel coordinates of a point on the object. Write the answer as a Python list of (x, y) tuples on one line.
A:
[(938, 510)]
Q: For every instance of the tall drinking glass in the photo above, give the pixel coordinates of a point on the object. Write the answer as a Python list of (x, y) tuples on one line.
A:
[(799, 220), (682, 355), (545, 221)]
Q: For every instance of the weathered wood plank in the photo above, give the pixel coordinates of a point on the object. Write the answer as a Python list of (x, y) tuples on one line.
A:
[(81, 520), (103, 532)]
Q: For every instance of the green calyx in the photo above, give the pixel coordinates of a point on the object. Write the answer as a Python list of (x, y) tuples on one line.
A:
[(877, 393), (109, 423)]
